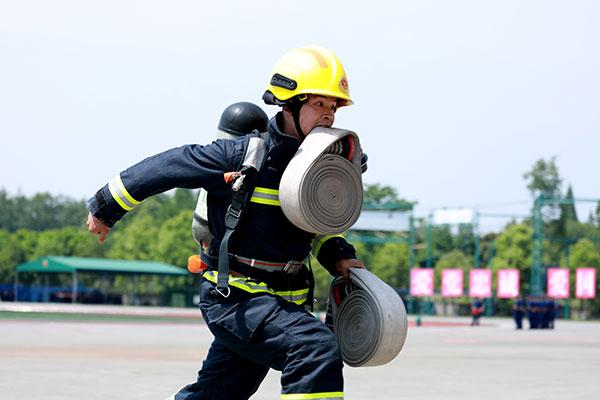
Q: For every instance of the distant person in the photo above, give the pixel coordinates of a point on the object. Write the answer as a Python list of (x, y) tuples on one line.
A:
[(544, 313), (551, 313), (533, 313), (518, 313), (477, 308)]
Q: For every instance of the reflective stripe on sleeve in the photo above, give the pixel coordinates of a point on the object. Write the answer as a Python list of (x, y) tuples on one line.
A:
[(265, 196), (293, 296), (121, 195), (319, 241), (314, 396)]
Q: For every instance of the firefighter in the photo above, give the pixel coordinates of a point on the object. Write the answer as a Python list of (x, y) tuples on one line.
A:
[(260, 321)]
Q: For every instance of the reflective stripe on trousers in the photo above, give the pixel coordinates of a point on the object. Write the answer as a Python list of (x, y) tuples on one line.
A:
[(255, 332), (313, 396)]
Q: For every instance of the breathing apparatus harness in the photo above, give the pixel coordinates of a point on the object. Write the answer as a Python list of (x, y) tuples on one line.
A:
[(243, 183)]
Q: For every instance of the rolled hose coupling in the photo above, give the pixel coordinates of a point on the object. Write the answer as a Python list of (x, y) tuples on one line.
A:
[(321, 188), (369, 319)]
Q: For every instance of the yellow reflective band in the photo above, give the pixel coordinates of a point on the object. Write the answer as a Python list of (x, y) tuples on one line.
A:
[(121, 195), (266, 190), (293, 296), (267, 196), (265, 201), (125, 192), (320, 241), (320, 396), (117, 197), (240, 283)]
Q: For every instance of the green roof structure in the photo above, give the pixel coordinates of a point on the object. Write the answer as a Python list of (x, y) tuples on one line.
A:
[(80, 264)]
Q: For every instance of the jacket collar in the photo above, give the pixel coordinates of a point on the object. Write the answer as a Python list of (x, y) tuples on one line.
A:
[(290, 143)]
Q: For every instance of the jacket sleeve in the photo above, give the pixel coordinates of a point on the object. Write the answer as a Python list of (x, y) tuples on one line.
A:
[(190, 166), (329, 249)]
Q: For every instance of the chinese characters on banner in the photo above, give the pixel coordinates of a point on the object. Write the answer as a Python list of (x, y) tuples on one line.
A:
[(508, 283), (452, 282), (480, 283), (585, 283), (558, 283), (421, 282)]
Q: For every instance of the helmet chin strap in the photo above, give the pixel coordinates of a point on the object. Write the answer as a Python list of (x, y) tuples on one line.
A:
[(295, 105), (296, 115)]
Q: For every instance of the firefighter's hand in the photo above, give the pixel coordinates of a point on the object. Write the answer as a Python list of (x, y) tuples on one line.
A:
[(97, 227), (343, 266)]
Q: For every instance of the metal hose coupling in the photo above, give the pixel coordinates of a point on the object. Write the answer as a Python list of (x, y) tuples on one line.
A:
[(369, 319), (321, 188)]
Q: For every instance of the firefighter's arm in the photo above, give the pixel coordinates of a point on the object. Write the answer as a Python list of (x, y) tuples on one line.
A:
[(335, 254), (190, 167)]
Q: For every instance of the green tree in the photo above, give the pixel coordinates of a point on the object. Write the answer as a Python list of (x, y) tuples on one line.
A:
[(544, 178), (41, 212), (69, 241), (390, 263), (452, 259), (513, 250), (10, 256), (377, 194), (137, 241), (174, 243), (8, 212), (567, 210), (585, 254)]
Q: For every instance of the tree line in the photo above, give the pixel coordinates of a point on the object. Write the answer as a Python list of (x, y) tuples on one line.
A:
[(160, 229)]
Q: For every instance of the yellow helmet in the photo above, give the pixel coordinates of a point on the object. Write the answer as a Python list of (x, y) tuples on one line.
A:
[(307, 70)]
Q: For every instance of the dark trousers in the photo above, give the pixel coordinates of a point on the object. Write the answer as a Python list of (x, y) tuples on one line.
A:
[(255, 332), (518, 317)]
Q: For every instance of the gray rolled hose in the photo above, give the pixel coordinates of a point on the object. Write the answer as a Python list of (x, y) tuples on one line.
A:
[(369, 319), (321, 188)]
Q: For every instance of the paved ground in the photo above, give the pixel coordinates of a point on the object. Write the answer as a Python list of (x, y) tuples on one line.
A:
[(444, 359)]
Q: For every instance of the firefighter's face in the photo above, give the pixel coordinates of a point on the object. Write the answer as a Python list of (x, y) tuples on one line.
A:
[(317, 111)]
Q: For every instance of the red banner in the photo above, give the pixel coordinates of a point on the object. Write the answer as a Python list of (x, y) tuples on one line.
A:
[(558, 283), (480, 283), (508, 283), (585, 283), (452, 282), (421, 282)]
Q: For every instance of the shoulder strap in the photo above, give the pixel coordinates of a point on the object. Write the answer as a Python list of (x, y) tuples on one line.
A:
[(255, 155)]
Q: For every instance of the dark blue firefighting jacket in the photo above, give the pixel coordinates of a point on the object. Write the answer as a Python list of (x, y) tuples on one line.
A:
[(264, 232)]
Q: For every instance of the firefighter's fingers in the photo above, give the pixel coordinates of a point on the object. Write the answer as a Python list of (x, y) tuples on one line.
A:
[(343, 266), (103, 232), (91, 225), (97, 227)]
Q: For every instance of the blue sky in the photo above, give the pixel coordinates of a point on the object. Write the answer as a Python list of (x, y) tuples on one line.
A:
[(454, 100)]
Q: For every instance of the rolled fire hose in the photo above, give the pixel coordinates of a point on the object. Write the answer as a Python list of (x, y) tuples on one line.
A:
[(369, 319), (321, 188)]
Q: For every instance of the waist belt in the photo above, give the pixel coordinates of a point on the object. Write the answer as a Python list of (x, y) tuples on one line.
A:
[(321, 192), (369, 319), (290, 267)]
